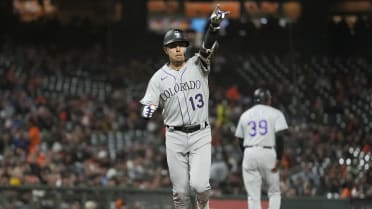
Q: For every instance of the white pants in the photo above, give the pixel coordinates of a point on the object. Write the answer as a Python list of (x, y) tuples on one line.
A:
[(257, 165), (189, 162)]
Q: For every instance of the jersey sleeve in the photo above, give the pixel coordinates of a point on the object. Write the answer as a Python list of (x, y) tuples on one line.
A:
[(239, 129), (152, 94), (280, 123), (204, 66)]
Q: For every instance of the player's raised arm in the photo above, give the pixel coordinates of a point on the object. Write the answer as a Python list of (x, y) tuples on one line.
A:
[(209, 43)]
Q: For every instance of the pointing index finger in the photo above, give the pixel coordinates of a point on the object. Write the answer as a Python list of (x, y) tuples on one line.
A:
[(226, 13), (217, 9)]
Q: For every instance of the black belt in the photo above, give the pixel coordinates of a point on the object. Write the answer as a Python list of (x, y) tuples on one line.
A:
[(188, 129), (265, 147)]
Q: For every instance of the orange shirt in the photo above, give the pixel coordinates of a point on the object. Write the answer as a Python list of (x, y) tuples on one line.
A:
[(34, 134), (233, 93), (346, 193)]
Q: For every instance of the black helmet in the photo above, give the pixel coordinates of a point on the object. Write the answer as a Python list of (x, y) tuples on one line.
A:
[(261, 96), (174, 35)]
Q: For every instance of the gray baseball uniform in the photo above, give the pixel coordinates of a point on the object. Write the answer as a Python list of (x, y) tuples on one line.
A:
[(181, 89), (183, 95), (257, 127)]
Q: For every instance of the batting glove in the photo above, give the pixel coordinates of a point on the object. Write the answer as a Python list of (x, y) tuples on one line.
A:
[(217, 16), (148, 110)]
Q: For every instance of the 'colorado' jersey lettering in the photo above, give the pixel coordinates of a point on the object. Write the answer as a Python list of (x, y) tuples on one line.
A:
[(170, 92)]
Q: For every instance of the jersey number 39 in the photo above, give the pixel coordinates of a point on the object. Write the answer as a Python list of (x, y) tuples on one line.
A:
[(258, 127)]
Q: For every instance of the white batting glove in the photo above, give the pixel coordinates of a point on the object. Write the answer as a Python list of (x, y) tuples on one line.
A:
[(217, 16), (148, 110)]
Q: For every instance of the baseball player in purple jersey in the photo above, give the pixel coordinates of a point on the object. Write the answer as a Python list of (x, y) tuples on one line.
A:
[(262, 128), (180, 89)]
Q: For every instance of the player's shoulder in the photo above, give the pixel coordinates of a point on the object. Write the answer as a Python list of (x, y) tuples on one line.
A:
[(274, 109), (275, 112), (163, 69), (160, 72), (248, 112), (199, 64), (266, 108), (194, 58)]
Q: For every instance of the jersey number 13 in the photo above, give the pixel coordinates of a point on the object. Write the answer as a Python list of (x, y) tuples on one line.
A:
[(196, 101)]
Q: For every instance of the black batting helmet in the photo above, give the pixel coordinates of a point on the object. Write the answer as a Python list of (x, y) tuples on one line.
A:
[(175, 35), (261, 96)]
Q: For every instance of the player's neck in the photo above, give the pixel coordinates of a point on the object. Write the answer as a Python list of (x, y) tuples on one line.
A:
[(176, 66)]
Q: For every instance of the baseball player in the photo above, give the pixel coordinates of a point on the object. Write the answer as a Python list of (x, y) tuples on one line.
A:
[(180, 89), (262, 128)]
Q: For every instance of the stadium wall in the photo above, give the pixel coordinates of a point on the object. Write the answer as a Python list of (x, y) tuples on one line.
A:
[(41, 197)]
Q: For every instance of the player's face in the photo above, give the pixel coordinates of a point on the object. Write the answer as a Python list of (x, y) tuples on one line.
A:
[(176, 52)]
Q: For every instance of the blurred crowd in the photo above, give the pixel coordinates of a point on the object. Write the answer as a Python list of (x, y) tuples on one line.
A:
[(70, 117)]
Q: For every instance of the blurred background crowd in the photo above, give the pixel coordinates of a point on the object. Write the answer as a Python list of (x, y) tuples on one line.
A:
[(69, 110)]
